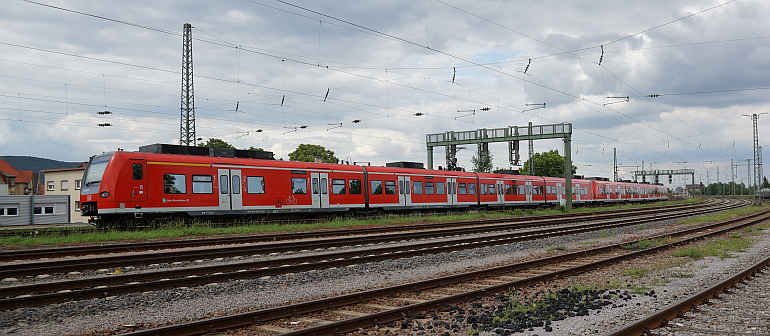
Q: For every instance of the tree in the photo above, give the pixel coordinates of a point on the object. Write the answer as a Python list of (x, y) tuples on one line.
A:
[(483, 164), (765, 184), (258, 149), (546, 164), (313, 153), (216, 143)]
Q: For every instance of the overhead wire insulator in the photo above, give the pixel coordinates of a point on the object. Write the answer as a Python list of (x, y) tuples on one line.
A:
[(419, 114), (356, 121), (283, 99), (527, 67), (327, 94), (532, 107), (104, 125), (654, 95), (601, 57), (454, 74), (103, 112)]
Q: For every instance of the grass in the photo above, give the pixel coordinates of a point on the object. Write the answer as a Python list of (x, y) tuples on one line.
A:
[(203, 228), (636, 272), (682, 275), (646, 243), (718, 248), (557, 248), (723, 216)]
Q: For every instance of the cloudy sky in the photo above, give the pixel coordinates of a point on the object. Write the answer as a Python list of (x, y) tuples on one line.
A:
[(59, 68)]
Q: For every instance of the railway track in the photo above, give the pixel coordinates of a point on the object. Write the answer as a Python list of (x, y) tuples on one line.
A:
[(103, 286), (378, 307), (57, 252), (756, 280)]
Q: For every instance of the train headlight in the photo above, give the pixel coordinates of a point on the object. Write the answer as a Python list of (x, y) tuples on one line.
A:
[(104, 194)]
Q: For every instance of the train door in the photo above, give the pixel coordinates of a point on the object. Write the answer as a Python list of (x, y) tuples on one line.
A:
[(404, 190), (529, 191), (451, 190), (138, 168), (320, 185), (230, 189), (500, 191)]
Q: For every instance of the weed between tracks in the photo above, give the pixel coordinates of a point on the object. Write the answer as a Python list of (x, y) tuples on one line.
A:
[(201, 228)]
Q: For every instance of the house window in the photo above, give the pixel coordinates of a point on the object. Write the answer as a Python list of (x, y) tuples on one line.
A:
[(299, 185), (255, 185), (37, 210), (417, 188), (338, 187), (77, 184), (376, 187), (64, 185), (48, 210), (355, 187), (10, 212), (390, 187), (202, 184), (51, 186), (77, 206), (174, 184)]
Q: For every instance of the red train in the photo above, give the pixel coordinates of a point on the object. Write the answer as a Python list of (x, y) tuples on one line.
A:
[(122, 186)]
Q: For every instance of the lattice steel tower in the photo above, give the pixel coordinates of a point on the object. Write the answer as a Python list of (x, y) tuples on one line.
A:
[(757, 160), (187, 106)]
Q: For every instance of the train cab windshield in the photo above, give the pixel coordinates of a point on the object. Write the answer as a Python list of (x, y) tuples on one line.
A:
[(93, 175)]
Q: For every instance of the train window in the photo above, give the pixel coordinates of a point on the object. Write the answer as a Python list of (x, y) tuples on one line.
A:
[(338, 187), (440, 188), (417, 188), (315, 186), (136, 170), (462, 189), (255, 185), (407, 188), (299, 185), (429, 188), (236, 185), (224, 187), (390, 187), (491, 189), (355, 187), (521, 189), (202, 184), (376, 187), (548, 189), (509, 189), (324, 186), (174, 184), (483, 190), (472, 188)]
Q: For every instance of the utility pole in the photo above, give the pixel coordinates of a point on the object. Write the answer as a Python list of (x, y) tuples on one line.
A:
[(757, 160), (187, 105), (732, 175), (615, 164), (531, 152), (748, 175)]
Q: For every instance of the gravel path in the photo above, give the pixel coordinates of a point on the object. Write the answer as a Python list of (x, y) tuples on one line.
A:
[(191, 303)]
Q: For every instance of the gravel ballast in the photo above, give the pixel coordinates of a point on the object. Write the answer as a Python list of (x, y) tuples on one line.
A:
[(179, 304)]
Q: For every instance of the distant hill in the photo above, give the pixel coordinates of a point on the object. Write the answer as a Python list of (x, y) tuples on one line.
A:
[(37, 164)]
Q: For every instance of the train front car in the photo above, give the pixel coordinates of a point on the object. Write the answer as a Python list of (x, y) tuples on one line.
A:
[(94, 193)]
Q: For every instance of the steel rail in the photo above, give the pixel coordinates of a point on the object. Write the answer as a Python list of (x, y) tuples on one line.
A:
[(662, 317), (270, 314), (129, 283), (47, 267), (133, 247)]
